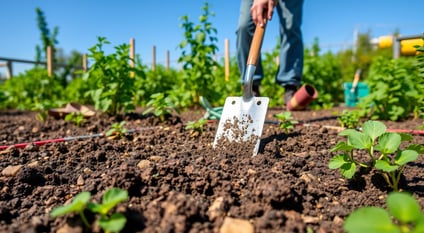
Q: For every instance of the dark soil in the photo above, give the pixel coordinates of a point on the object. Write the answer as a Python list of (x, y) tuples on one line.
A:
[(178, 183)]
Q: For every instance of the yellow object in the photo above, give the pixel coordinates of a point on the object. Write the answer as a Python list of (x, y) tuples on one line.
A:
[(407, 46), (385, 42)]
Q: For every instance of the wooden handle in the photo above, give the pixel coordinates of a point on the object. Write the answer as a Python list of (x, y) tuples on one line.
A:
[(255, 46)]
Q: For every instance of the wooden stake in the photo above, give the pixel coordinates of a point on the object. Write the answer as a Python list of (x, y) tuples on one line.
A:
[(167, 60), (49, 61), (154, 58), (227, 60), (84, 62), (132, 55)]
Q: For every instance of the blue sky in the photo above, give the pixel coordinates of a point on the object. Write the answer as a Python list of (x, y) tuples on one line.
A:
[(157, 23)]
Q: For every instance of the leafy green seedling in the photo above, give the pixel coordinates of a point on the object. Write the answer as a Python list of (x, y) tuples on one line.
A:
[(111, 198), (390, 160), (287, 122), (117, 130), (77, 205), (160, 106), (196, 127), (349, 119), (403, 215), (76, 117)]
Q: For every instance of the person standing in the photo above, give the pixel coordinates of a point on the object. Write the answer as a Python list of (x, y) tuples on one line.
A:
[(254, 12)]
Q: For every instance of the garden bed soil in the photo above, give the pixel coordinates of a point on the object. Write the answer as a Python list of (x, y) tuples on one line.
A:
[(178, 183)]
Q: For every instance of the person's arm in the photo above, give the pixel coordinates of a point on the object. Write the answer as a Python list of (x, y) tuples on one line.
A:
[(262, 9)]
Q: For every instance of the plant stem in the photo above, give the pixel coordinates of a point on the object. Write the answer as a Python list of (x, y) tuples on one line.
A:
[(84, 219)]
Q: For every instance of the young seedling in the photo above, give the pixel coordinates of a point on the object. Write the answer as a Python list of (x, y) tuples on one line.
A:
[(160, 106), (196, 127), (349, 119), (78, 205), (108, 222), (76, 117), (117, 130), (287, 122), (403, 215), (116, 221), (390, 160)]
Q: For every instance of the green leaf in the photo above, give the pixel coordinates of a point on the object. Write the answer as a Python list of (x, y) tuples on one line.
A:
[(115, 196), (388, 143), (111, 198), (337, 161), (406, 156), (357, 139), (417, 147), (342, 146), (403, 207), (115, 223), (419, 226), (373, 129), (348, 170), (370, 220), (385, 166), (77, 205)]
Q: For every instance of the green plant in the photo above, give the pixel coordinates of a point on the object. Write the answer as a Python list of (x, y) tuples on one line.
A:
[(287, 122), (393, 89), (117, 130), (349, 119), (390, 160), (403, 215), (114, 87), (114, 222), (160, 105), (78, 205), (198, 62), (76, 117), (197, 127)]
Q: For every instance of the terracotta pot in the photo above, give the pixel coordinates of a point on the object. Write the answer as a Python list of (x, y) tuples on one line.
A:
[(302, 98)]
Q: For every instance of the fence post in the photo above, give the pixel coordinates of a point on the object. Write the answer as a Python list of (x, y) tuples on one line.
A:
[(49, 61), (132, 55), (9, 69), (153, 58), (227, 60)]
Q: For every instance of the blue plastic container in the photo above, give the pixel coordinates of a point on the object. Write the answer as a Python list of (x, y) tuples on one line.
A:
[(352, 98)]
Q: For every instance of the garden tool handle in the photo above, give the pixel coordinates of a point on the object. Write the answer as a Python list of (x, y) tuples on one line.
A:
[(355, 80), (256, 44)]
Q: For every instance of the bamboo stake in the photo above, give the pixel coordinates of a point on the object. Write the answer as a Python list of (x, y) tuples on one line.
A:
[(227, 60), (84, 62), (49, 61), (132, 55)]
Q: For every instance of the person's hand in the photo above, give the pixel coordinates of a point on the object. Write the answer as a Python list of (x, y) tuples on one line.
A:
[(261, 10)]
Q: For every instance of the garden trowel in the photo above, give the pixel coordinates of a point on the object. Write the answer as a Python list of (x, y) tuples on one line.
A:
[(243, 118)]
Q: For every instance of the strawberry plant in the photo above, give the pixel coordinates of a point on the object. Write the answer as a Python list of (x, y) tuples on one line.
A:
[(114, 222), (78, 205), (287, 122), (114, 87), (390, 160), (117, 130), (160, 105), (403, 215), (197, 127), (349, 119), (76, 117)]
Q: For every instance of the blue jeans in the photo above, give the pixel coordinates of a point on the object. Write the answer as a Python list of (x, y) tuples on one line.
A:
[(291, 51)]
